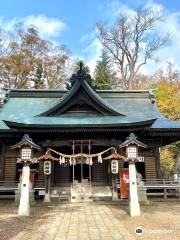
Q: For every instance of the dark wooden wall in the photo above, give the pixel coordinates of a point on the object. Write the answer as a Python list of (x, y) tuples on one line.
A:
[(100, 176), (10, 164)]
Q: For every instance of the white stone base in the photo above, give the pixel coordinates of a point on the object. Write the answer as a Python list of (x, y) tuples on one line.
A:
[(134, 209), (47, 197), (24, 208)]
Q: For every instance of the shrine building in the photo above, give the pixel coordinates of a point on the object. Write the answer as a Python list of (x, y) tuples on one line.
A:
[(78, 129)]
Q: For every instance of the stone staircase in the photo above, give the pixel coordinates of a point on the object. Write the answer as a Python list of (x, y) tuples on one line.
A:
[(81, 192), (59, 194), (102, 193)]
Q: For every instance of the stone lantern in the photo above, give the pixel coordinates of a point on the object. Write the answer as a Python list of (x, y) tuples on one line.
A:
[(132, 145), (26, 147)]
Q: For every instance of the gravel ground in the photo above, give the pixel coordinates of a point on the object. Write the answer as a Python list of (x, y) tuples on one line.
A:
[(159, 220), (11, 224)]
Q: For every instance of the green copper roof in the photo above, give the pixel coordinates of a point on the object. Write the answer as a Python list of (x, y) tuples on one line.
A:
[(79, 121), (24, 108)]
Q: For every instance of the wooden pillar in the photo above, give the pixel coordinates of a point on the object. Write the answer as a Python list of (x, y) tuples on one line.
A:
[(52, 173), (157, 158), (73, 162), (89, 148), (2, 159), (165, 193), (81, 161)]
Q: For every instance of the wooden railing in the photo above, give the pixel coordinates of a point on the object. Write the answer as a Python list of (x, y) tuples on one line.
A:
[(161, 183), (162, 187), (13, 185), (8, 184)]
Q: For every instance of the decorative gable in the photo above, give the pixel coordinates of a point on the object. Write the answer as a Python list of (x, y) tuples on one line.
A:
[(81, 99)]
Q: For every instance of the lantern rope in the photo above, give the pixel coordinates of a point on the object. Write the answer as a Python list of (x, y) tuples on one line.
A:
[(81, 154)]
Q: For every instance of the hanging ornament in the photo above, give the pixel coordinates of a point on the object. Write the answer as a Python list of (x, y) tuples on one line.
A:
[(63, 160), (90, 161), (70, 161), (99, 158), (60, 160), (74, 161)]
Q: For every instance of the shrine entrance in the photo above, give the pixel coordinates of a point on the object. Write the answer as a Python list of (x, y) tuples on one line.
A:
[(81, 171)]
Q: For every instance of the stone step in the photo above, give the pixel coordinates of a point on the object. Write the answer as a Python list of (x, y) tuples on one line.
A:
[(81, 192), (81, 199)]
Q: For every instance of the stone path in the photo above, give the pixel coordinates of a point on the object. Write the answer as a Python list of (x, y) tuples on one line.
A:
[(82, 221)]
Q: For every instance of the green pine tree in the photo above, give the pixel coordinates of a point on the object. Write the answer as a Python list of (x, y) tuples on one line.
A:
[(38, 77), (103, 75)]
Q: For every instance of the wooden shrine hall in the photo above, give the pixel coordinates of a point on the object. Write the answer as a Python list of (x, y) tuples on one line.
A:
[(87, 124)]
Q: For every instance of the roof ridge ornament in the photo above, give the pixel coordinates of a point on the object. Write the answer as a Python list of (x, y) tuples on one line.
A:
[(81, 75)]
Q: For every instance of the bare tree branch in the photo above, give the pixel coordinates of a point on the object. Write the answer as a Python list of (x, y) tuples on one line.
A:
[(132, 42)]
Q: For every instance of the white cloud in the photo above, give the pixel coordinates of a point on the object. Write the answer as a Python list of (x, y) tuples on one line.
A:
[(48, 27), (93, 52)]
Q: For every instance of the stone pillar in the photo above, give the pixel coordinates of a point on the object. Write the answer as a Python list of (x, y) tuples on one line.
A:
[(24, 208), (114, 188), (47, 189), (134, 209)]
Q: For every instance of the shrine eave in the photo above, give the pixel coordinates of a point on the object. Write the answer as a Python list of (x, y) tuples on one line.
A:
[(23, 125)]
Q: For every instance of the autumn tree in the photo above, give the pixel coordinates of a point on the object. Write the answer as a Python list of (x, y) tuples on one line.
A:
[(55, 66), (166, 84), (103, 77), (132, 42), (26, 50), (167, 162), (31, 62), (168, 99)]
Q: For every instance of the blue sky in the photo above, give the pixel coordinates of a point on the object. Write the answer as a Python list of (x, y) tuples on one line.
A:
[(73, 22)]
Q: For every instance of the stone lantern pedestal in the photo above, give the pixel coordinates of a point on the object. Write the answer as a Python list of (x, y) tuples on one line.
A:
[(134, 208), (25, 186)]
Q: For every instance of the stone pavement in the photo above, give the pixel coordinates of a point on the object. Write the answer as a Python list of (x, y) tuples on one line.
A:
[(80, 221)]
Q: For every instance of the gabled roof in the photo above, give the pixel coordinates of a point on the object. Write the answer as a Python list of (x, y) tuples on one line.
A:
[(132, 139), (45, 156), (81, 93), (26, 141)]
